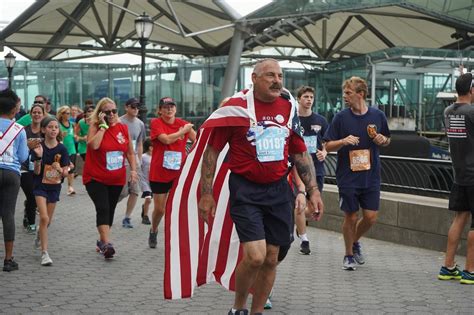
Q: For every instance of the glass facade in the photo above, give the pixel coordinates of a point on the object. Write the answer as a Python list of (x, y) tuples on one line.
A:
[(407, 81)]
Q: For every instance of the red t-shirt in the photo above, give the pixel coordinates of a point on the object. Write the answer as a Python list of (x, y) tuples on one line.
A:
[(166, 159), (243, 144), (106, 164)]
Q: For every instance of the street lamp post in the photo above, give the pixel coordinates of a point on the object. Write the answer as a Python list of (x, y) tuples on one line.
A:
[(144, 27), (10, 60)]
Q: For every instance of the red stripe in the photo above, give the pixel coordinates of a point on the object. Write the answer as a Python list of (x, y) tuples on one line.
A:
[(232, 278)]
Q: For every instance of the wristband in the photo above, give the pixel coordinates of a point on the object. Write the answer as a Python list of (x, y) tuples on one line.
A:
[(301, 192), (311, 189), (103, 126)]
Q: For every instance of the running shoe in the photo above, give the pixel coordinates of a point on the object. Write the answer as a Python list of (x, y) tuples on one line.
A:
[(46, 260), (25, 222), (357, 252), (146, 220), (152, 242), (349, 263), (304, 248), (239, 312), (126, 223), (10, 265), (109, 251), (450, 274), (268, 304), (100, 246), (31, 229), (467, 277)]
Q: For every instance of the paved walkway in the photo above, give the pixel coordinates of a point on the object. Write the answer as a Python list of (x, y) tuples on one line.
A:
[(396, 279)]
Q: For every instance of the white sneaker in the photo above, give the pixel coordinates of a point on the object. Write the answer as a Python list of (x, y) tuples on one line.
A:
[(46, 260)]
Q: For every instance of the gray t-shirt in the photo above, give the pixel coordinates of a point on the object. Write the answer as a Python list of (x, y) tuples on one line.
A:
[(459, 122), (136, 130)]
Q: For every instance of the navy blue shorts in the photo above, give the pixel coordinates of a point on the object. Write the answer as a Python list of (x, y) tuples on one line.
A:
[(261, 211), (52, 196), (352, 199), (461, 198)]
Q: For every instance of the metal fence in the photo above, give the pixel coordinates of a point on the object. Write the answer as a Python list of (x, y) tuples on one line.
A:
[(426, 177)]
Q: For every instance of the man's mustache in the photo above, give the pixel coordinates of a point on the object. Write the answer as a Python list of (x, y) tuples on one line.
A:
[(276, 86)]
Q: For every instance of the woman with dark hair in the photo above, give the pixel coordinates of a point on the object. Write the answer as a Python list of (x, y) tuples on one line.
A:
[(13, 152), (108, 143), (51, 163), (33, 134)]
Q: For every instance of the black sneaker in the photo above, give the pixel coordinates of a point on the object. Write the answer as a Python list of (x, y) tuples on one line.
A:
[(304, 248), (152, 242), (146, 220), (109, 251), (239, 312), (10, 265), (143, 210)]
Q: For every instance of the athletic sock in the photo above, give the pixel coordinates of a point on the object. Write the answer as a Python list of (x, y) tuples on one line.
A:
[(304, 237)]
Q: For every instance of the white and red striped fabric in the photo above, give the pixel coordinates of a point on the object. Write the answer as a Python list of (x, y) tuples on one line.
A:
[(197, 253)]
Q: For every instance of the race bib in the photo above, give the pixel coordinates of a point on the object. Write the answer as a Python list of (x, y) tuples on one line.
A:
[(270, 144), (114, 160), (360, 160), (51, 175), (311, 143), (172, 160)]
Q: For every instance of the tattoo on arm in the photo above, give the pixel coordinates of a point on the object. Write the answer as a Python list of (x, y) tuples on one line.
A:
[(304, 165), (208, 168)]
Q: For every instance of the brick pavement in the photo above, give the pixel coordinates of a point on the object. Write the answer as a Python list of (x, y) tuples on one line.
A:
[(396, 279)]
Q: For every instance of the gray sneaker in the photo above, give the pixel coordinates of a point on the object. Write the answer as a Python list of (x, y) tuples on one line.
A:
[(152, 242), (349, 263), (357, 251)]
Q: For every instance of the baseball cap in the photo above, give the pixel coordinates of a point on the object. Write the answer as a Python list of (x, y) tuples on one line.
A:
[(167, 101), (132, 101)]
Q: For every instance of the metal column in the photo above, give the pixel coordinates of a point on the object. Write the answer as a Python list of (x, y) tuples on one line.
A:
[(233, 63)]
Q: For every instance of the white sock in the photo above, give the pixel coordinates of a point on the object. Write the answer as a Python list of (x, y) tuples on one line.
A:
[(233, 310), (304, 237)]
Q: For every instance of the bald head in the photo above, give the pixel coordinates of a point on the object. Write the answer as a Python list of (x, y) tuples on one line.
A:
[(267, 79)]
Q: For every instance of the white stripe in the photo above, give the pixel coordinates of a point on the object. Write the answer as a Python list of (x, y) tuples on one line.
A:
[(228, 111), (221, 208)]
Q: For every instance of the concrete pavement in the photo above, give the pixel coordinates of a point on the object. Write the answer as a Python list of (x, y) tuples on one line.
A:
[(396, 279)]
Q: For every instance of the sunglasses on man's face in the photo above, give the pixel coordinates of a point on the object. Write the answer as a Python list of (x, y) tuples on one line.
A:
[(38, 102), (108, 112), (133, 106)]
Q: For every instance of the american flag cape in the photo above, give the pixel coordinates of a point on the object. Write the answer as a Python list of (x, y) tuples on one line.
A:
[(197, 253)]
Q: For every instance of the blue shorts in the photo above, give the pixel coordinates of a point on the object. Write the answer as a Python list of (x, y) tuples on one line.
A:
[(261, 211), (352, 199), (52, 196)]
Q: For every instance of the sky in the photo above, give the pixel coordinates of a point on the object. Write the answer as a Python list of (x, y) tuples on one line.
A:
[(10, 9)]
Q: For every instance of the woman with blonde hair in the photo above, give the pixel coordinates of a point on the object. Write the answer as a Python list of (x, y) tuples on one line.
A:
[(67, 129), (108, 144)]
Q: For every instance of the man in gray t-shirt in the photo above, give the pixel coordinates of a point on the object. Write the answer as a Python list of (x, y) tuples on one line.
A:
[(137, 132), (459, 122)]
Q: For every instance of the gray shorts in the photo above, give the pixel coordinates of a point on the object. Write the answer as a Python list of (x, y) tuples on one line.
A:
[(129, 188)]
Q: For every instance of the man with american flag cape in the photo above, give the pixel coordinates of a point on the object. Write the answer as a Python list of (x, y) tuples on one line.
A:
[(255, 132)]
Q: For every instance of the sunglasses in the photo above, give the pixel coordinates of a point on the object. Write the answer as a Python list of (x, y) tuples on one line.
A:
[(108, 112), (38, 102), (67, 113), (134, 106)]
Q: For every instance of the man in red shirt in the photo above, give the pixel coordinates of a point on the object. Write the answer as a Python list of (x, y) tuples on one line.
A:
[(260, 196)]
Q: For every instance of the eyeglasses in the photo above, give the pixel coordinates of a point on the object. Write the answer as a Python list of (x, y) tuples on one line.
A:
[(108, 112)]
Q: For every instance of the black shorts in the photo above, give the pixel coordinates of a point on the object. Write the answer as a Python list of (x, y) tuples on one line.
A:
[(261, 211), (72, 159), (147, 194), (160, 188), (461, 198)]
